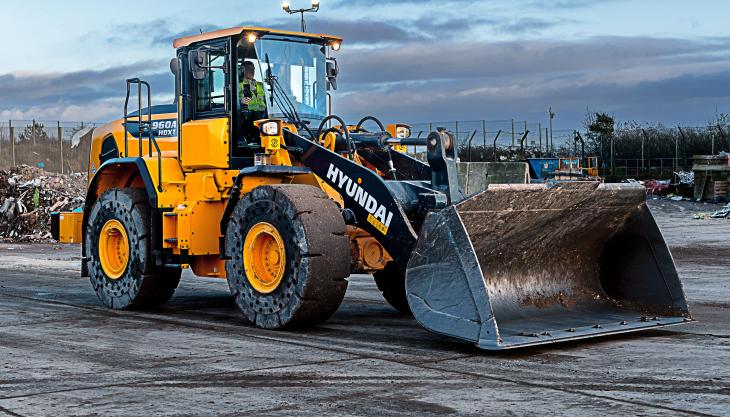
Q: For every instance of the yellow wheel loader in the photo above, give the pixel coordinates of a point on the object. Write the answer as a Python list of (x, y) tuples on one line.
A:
[(249, 178)]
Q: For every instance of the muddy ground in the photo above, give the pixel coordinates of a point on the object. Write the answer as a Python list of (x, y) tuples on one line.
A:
[(61, 353)]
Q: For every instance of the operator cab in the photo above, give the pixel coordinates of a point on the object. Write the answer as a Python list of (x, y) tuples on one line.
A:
[(248, 74)]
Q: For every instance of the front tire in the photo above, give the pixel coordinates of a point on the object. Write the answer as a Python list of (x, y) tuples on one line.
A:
[(288, 256), (391, 281), (119, 253)]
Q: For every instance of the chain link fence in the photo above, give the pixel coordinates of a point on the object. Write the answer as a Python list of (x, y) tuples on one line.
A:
[(632, 151), (55, 146), (501, 140)]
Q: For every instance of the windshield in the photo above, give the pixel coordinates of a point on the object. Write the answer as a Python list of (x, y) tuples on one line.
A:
[(300, 71)]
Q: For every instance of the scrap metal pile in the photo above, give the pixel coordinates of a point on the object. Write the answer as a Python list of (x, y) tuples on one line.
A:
[(27, 197), (723, 213)]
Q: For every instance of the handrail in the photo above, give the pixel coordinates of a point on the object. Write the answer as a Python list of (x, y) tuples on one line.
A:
[(126, 120), (141, 124)]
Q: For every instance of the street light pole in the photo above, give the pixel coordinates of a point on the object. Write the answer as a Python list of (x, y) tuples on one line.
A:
[(314, 9)]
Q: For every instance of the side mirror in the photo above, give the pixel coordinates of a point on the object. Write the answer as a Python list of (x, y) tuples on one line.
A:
[(198, 63), (332, 71), (175, 67)]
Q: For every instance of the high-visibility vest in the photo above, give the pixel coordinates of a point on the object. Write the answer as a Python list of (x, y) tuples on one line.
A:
[(258, 96)]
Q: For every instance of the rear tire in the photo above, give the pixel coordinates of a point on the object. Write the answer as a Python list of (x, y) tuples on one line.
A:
[(305, 229), (391, 281), (131, 281)]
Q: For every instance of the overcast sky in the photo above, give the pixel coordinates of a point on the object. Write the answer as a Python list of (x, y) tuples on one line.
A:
[(649, 61)]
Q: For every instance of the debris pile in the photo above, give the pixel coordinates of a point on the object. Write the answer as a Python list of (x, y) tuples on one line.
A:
[(723, 213), (27, 197), (685, 177), (657, 187)]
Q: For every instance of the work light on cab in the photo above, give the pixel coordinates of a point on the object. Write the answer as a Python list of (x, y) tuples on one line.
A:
[(271, 128)]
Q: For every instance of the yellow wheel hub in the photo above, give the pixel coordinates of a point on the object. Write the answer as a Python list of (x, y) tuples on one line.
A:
[(264, 257), (113, 249)]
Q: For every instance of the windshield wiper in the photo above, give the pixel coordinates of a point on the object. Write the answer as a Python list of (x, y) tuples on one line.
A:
[(285, 105)]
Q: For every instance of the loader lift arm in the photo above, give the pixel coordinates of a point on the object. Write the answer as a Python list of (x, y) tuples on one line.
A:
[(365, 193), (391, 211)]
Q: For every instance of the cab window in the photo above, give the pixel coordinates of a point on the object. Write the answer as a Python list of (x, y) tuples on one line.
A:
[(211, 90)]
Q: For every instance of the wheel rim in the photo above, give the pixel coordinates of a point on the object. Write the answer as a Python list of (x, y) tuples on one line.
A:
[(113, 249), (264, 257)]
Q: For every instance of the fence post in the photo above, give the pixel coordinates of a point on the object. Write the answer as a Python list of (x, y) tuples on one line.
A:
[(60, 143), (676, 153), (539, 132), (684, 148), (722, 135), (12, 140), (32, 133), (575, 144), (648, 154), (513, 133), (612, 155), (484, 133), (547, 148), (552, 147), (456, 124), (643, 138)]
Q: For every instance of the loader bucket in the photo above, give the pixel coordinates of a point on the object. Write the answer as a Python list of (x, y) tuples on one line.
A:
[(521, 265)]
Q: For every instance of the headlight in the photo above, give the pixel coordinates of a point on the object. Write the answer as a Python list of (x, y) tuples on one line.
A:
[(272, 128), (402, 132)]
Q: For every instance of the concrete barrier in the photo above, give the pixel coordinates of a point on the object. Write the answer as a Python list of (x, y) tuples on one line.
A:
[(475, 176)]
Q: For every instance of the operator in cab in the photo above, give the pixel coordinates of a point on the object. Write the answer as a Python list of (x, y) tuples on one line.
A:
[(252, 99)]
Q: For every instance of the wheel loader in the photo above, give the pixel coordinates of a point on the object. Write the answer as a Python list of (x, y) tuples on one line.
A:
[(248, 177)]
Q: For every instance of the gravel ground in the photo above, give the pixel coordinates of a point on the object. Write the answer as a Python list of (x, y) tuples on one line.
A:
[(61, 353)]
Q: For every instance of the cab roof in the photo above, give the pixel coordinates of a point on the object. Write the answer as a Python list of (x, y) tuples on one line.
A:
[(238, 30)]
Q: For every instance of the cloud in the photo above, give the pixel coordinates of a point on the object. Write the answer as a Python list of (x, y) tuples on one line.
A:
[(526, 25), (685, 98), (151, 33), (421, 80), (84, 95), (508, 60), (669, 79), (354, 32), (167, 37), (444, 4), (565, 4)]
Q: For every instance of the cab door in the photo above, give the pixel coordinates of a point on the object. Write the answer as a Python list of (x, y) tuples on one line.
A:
[(206, 135)]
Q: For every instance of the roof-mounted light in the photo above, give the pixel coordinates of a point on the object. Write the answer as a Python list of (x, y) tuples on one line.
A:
[(335, 45), (286, 6), (252, 37)]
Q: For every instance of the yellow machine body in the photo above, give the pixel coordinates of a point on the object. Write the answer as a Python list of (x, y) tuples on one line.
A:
[(70, 227), (196, 187), (218, 189)]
